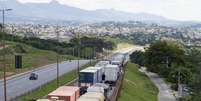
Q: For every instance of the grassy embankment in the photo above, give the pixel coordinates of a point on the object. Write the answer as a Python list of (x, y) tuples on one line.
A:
[(31, 58), (123, 46), (137, 86), (46, 89)]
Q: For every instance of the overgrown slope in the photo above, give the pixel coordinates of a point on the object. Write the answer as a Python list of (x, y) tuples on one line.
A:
[(137, 86), (31, 57)]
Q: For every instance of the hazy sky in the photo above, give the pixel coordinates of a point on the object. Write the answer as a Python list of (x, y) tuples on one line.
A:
[(173, 9)]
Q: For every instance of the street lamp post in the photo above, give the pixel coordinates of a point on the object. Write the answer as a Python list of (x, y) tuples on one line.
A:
[(12, 32), (57, 32), (167, 62), (4, 56), (200, 80), (90, 56), (78, 60), (78, 43), (94, 54)]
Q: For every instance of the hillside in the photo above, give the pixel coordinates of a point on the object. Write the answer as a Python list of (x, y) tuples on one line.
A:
[(31, 57), (56, 11), (38, 52), (137, 86)]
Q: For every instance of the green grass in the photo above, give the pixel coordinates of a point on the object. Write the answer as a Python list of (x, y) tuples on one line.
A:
[(46, 89), (31, 58), (137, 86), (116, 40)]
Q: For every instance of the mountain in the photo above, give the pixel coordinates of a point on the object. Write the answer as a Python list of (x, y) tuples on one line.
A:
[(56, 11)]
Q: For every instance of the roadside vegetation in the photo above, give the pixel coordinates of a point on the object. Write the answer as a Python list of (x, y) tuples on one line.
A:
[(39, 52), (177, 63), (84, 44), (31, 57), (137, 86), (117, 39)]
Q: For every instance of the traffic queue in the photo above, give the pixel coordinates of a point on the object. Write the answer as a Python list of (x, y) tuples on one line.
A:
[(94, 82)]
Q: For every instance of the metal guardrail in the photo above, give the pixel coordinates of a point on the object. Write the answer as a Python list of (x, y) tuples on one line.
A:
[(117, 88)]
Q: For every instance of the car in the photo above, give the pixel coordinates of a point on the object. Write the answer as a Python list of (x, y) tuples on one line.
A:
[(33, 76)]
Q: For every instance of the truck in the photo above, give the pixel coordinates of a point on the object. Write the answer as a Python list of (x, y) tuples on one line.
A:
[(88, 77), (100, 71), (102, 63), (111, 73)]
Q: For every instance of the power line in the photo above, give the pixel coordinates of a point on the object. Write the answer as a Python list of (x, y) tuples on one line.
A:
[(57, 36)]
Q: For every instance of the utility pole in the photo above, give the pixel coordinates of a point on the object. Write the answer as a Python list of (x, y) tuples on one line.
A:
[(167, 62), (12, 32), (90, 56), (57, 32), (200, 80), (78, 43), (108, 53), (93, 52), (4, 56), (103, 54), (73, 51), (78, 60)]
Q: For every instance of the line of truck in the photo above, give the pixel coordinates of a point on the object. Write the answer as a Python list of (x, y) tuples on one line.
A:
[(95, 83)]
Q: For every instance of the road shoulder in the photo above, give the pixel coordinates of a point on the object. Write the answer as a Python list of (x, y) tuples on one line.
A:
[(164, 90)]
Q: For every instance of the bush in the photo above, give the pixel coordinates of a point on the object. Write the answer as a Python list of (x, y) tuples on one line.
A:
[(19, 49), (62, 47)]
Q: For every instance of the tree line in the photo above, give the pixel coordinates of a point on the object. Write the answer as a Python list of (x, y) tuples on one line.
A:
[(86, 45), (176, 63)]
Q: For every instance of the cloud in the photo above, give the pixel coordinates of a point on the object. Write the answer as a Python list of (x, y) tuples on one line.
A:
[(173, 9)]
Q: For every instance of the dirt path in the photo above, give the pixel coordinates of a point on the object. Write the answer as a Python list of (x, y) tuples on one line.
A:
[(164, 91)]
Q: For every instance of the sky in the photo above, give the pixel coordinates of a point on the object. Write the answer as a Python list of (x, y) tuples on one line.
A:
[(184, 10)]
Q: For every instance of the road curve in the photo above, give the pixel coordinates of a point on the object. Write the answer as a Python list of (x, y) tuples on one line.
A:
[(164, 91), (21, 84)]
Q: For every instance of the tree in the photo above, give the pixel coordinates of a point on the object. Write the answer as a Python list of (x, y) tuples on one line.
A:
[(196, 97), (193, 59), (180, 72), (94, 42), (87, 52), (138, 57), (162, 54)]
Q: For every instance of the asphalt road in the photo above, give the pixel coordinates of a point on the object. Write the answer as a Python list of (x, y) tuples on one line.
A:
[(21, 84), (164, 91)]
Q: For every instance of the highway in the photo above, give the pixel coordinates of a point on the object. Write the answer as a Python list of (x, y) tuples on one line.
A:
[(21, 84)]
